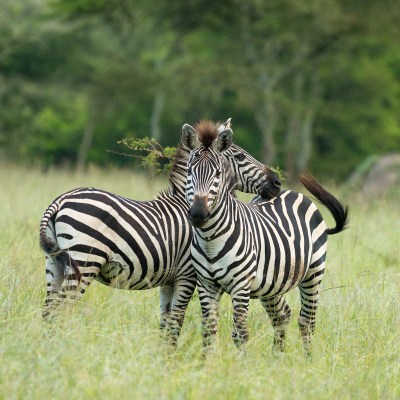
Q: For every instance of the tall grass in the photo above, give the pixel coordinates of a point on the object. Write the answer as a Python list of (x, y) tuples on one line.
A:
[(109, 345)]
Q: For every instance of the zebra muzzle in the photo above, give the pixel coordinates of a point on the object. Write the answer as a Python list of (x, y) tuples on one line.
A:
[(271, 188), (199, 213)]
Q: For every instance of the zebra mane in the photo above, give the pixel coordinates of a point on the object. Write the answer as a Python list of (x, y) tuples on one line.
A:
[(177, 176), (231, 180), (207, 132)]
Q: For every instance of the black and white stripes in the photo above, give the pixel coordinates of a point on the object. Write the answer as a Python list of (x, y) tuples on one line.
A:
[(260, 250), (91, 234)]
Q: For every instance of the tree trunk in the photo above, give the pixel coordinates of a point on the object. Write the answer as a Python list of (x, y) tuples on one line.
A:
[(87, 138), (299, 134), (266, 119), (158, 105), (306, 129), (292, 145)]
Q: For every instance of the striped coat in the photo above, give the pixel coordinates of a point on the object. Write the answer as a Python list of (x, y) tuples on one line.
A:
[(259, 250), (92, 234)]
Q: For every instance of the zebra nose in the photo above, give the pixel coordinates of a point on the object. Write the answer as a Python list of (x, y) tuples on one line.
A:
[(277, 183), (270, 189), (199, 212), (198, 217)]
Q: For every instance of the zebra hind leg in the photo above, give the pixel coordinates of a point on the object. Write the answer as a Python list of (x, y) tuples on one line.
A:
[(279, 312), (58, 300), (54, 279), (309, 297), (69, 292)]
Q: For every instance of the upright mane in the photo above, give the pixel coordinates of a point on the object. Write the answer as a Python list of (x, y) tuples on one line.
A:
[(207, 132), (177, 176)]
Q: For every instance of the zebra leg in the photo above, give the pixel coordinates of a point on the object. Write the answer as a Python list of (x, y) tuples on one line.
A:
[(88, 275), (210, 297), (54, 280), (240, 303), (279, 312), (166, 295), (309, 297), (182, 293), (70, 292)]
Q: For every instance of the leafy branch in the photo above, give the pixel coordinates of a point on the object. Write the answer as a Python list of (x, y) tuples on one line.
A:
[(153, 155), (279, 172)]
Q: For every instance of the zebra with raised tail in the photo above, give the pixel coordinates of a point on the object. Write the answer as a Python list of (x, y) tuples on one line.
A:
[(259, 250), (92, 234)]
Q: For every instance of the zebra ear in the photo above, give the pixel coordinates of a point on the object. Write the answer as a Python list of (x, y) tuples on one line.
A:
[(225, 125), (225, 139), (189, 137)]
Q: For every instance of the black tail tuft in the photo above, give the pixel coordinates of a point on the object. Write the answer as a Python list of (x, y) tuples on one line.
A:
[(339, 212)]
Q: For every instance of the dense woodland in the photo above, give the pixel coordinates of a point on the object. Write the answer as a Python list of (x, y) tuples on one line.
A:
[(309, 84)]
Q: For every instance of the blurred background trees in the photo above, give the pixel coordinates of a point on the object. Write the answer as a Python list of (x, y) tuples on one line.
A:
[(308, 84)]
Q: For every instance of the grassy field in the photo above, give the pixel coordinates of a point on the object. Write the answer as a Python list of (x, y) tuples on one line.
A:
[(109, 347)]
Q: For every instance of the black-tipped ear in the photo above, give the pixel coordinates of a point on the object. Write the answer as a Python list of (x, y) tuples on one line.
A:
[(225, 139), (189, 137)]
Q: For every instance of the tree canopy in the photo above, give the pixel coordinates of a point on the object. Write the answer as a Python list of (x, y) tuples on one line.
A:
[(308, 84)]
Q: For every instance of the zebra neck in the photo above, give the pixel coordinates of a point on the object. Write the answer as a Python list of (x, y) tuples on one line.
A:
[(178, 175), (177, 181), (222, 220)]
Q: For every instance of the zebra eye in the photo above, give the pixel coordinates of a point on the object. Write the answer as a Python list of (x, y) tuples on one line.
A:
[(189, 171), (240, 157), (218, 173)]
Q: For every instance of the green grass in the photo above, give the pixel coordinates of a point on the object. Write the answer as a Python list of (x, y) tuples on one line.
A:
[(109, 346)]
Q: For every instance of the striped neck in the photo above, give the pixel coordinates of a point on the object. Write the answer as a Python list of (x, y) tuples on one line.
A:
[(178, 174), (223, 219)]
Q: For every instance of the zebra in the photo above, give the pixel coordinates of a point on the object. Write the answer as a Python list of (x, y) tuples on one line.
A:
[(90, 234), (259, 250)]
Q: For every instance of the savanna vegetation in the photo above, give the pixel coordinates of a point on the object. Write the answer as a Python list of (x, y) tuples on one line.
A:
[(109, 345)]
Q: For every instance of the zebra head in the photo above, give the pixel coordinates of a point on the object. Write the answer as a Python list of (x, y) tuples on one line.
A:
[(207, 169), (252, 176)]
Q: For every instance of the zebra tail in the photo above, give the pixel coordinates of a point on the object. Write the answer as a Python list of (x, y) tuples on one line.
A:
[(339, 211), (61, 258)]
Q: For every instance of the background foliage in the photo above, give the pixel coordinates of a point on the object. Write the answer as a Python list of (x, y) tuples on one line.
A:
[(308, 84)]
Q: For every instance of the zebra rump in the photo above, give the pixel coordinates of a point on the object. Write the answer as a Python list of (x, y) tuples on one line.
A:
[(51, 248)]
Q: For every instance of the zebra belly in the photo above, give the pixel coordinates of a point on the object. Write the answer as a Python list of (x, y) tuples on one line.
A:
[(280, 269), (277, 281)]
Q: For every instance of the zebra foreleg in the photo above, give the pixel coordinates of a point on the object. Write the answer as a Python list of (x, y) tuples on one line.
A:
[(209, 300), (166, 295), (240, 303), (279, 312), (182, 293)]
